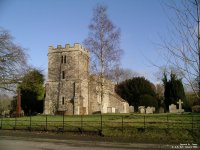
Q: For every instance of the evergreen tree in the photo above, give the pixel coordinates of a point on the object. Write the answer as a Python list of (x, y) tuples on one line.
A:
[(32, 92), (137, 91), (148, 100), (174, 90)]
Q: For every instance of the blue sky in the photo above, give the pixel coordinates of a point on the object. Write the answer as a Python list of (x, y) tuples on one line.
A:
[(37, 24)]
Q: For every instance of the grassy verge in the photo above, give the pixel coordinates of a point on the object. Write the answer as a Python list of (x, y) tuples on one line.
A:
[(165, 128)]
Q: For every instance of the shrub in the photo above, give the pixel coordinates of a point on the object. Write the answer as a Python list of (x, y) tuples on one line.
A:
[(196, 108), (148, 100), (131, 90)]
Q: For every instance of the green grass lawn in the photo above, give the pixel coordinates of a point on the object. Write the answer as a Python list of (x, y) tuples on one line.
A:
[(161, 127)]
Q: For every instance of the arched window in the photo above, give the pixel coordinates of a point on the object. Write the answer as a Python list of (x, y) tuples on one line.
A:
[(63, 100), (63, 74)]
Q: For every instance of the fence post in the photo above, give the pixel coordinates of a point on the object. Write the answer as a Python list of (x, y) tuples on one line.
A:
[(81, 122), (122, 125), (144, 122), (167, 122), (46, 123), (101, 123), (30, 122), (15, 122), (192, 126), (2, 122)]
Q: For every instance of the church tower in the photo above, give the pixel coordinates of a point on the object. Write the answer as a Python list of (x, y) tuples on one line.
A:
[(67, 84)]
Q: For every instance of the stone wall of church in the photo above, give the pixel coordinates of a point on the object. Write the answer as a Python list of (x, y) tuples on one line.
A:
[(111, 103), (117, 104), (68, 76), (51, 99), (94, 95), (70, 88)]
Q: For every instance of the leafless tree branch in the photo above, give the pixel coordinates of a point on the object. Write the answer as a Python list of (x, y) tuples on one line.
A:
[(13, 61), (103, 41), (182, 50)]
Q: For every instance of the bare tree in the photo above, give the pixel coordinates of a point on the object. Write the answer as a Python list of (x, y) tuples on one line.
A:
[(103, 42), (12, 61), (119, 74), (183, 46)]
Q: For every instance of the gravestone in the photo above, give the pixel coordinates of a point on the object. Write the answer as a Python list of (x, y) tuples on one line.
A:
[(131, 109), (161, 110), (113, 110), (149, 110), (117, 110), (172, 108), (109, 109), (180, 110), (154, 109), (141, 109)]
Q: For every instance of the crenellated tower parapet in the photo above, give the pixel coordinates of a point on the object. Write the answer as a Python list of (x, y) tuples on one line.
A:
[(68, 48)]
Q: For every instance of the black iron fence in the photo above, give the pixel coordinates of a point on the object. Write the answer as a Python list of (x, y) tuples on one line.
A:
[(109, 125)]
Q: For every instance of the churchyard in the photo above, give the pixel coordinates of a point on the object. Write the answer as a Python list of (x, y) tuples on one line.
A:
[(168, 127)]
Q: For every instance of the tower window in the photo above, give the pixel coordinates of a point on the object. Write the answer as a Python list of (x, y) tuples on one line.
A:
[(63, 74), (61, 59), (65, 60), (63, 100)]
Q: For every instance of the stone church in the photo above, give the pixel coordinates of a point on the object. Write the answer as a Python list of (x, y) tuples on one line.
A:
[(71, 89)]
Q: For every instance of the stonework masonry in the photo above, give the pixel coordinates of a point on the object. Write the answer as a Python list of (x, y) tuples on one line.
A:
[(72, 90)]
